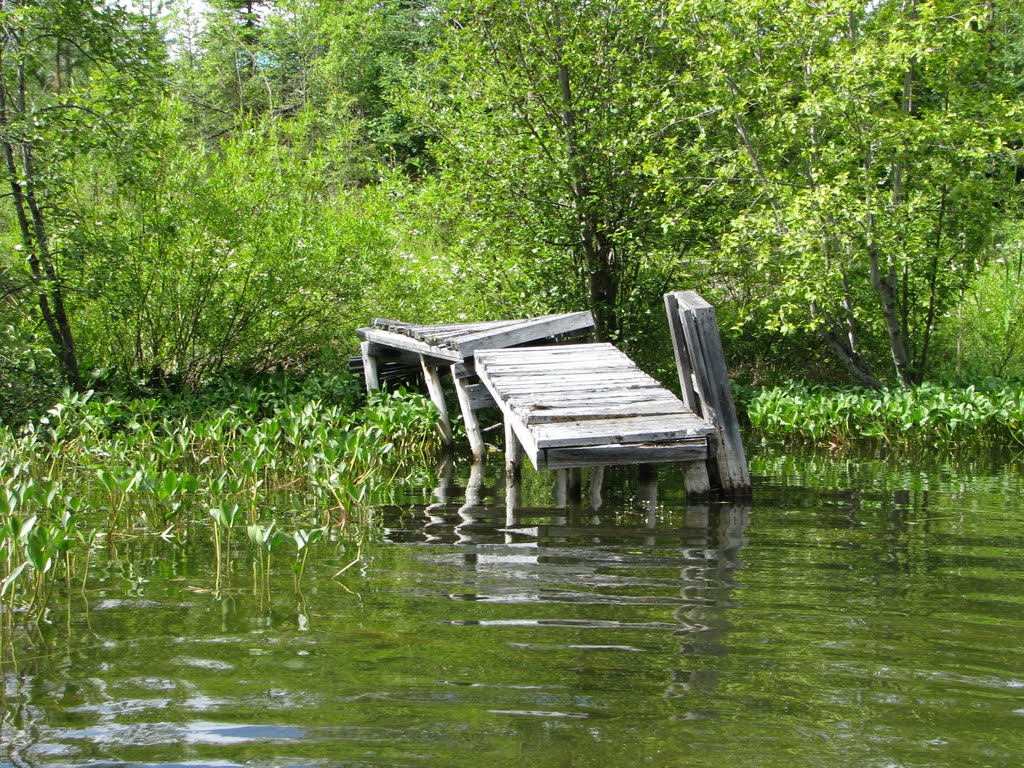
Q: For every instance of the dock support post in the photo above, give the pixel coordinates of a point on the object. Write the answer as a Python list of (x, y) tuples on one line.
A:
[(513, 474), (370, 375), (695, 476), (473, 432), (704, 378), (596, 485), (433, 380)]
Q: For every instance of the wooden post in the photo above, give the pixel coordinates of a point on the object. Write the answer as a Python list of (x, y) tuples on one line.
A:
[(370, 375), (700, 361), (433, 380), (513, 474), (596, 485), (561, 488), (513, 455), (695, 475), (473, 432)]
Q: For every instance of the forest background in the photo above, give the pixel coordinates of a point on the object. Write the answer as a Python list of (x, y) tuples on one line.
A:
[(195, 193)]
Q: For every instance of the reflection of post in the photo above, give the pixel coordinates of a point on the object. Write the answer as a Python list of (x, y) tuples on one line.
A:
[(444, 479), (433, 379), (707, 598), (647, 492), (574, 489)]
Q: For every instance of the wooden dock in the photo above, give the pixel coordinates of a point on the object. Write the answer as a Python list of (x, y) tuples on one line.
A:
[(573, 405)]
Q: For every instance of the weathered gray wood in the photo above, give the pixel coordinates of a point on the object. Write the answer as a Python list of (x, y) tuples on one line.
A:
[(601, 411), (478, 395), (596, 485), (526, 331), (476, 438), (612, 455), (398, 341), (433, 379), (640, 429), (370, 376), (513, 455), (684, 365), (695, 474), (707, 361)]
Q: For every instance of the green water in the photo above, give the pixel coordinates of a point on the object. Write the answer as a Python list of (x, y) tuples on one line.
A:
[(861, 612)]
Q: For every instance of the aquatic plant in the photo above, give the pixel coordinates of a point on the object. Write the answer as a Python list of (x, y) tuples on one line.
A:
[(930, 415), (288, 465)]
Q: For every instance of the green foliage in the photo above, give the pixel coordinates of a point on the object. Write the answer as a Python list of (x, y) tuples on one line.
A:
[(983, 335), (274, 461), (928, 415), (870, 145), (543, 117), (241, 257)]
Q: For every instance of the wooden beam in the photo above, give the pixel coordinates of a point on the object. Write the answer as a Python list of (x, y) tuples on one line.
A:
[(526, 331), (370, 376), (476, 437), (433, 379), (702, 346)]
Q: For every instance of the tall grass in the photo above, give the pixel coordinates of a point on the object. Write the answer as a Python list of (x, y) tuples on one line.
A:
[(930, 415)]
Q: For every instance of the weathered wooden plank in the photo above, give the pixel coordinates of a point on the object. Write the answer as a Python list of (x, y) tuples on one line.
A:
[(370, 376), (526, 331), (555, 399), (684, 365), (609, 385), (704, 346), (479, 396), (581, 381), (497, 352), (397, 341), (610, 455), (532, 416), (558, 367), (616, 431)]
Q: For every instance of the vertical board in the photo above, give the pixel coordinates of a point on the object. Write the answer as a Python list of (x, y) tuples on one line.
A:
[(703, 348), (473, 432), (369, 366), (433, 379)]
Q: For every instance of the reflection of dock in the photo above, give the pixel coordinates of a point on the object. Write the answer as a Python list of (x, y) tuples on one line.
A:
[(569, 406)]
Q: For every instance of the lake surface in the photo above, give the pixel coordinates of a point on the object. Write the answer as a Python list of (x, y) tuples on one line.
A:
[(861, 612)]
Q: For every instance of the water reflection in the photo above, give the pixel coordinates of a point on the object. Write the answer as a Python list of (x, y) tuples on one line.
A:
[(853, 617)]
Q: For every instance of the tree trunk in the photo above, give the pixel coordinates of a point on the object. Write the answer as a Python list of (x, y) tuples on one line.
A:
[(598, 254), (34, 239)]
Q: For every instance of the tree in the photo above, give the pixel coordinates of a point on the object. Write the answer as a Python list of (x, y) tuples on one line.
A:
[(544, 116), (68, 68), (870, 143)]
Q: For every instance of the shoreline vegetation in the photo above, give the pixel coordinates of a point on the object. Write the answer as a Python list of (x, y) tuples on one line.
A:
[(276, 469), (944, 417), (285, 466)]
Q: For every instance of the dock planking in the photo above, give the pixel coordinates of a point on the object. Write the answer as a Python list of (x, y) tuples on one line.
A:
[(589, 405), (569, 405)]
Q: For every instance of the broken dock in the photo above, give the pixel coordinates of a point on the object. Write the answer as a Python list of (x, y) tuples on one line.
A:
[(568, 405)]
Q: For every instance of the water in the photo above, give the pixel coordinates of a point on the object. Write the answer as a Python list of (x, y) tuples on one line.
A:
[(861, 612)]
